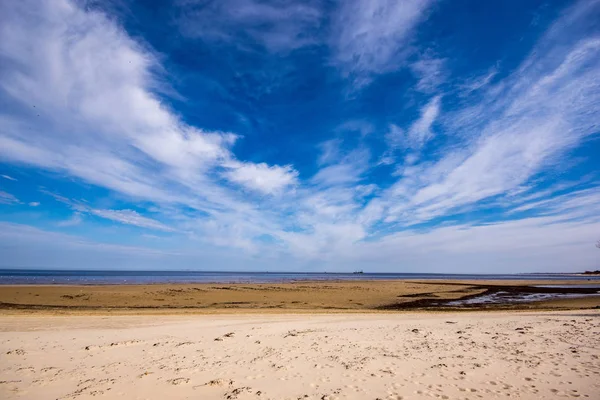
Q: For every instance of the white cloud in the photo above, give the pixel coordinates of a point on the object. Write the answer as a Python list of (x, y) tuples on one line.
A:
[(371, 36), (25, 246), (525, 124), (414, 138), (7, 198), (348, 169), (430, 72), (330, 151), (356, 125), (128, 217), (34, 203), (577, 203), (62, 92), (10, 178), (395, 137), (106, 126), (478, 82), (261, 177), (75, 220), (532, 244), (277, 26), (420, 131), (498, 164), (131, 217)]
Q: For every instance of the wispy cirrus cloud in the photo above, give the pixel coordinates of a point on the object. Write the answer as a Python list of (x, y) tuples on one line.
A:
[(364, 38), (412, 139), (543, 244), (134, 143), (542, 111), (29, 247), (279, 26), (131, 217), (74, 220), (7, 198), (420, 131), (430, 72), (475, 83), (10, 178), (372, 37)]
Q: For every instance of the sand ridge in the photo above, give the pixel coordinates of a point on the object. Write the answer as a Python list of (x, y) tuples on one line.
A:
[(351, 356)]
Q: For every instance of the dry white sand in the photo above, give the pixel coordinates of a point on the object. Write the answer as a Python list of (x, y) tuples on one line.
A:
[(368, 356)]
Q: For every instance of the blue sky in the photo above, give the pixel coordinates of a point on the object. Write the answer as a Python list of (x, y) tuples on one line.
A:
[(407, 136)]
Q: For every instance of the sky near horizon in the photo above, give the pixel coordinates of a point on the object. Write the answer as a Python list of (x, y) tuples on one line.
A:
[(388, 136)]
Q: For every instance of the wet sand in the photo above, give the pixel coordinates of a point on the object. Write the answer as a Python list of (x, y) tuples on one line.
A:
[(324, 296), (524, 355)]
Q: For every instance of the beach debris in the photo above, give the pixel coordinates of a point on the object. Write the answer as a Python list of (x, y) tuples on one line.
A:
[(227, 335), (178, 381), (76, 296), (217, 382), (237, 391), (19, 352), (296, 333), (415, 330)]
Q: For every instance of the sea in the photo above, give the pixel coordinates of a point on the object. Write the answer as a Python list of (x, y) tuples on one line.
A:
[(88, 277)]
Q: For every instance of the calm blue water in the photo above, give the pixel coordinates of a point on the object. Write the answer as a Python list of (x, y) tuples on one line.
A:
[(50, 277)]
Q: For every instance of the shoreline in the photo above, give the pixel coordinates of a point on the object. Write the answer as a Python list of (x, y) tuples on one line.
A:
[(294, 297)]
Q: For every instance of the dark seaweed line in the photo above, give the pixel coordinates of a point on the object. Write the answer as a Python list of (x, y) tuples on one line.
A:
[(443, 304)]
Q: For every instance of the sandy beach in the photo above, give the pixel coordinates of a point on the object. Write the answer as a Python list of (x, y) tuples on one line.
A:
[(301, 340), (478, 355)]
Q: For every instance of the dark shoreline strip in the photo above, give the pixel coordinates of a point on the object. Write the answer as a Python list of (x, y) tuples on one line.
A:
[(435, 303)]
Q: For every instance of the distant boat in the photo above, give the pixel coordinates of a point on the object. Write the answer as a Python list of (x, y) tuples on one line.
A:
[(358, 272)]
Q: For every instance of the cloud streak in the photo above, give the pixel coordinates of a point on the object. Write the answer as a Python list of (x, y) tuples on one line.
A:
[(278, 26), (539, 115), (10, 178), (7, 198), (372, 37)]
